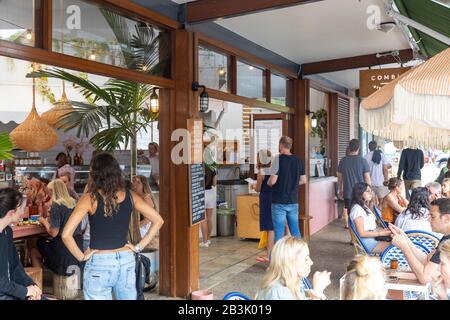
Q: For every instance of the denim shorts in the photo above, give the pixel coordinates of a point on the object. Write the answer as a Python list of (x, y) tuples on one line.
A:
[(369, 243), (105, 273)]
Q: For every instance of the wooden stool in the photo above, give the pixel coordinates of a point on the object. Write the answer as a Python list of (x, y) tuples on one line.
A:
[(65, 287), (36, 275)]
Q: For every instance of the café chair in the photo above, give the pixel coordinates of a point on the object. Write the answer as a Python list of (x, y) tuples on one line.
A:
[(379, 217), (356, 240), (235, 296), (393, 252), (424, 238), (306, 284)]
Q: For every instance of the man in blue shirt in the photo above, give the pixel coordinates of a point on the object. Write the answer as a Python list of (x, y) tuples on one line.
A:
[(288, 175)]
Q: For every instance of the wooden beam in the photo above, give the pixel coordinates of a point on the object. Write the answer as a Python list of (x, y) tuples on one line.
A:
[(179, 252), (205, 10), (133, 10), (55, 59), (251, 102), (228, 49), (364, 61), (301, 126)]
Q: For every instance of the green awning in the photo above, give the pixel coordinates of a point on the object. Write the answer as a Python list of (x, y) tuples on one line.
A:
[(430, 14)]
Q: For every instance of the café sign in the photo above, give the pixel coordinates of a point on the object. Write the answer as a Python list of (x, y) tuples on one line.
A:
[(372, 80)]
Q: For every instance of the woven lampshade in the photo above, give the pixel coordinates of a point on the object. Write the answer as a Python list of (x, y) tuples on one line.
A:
[(34, 133), (61, 108)]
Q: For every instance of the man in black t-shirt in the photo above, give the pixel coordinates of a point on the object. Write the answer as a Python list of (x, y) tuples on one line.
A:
[(288, 173), (424, 266)]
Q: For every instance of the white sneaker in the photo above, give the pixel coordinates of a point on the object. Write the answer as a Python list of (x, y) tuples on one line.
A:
[(203, 245), (208, 242)]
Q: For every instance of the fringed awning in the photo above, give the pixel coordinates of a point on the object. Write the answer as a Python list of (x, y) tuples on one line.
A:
[(414, 107)]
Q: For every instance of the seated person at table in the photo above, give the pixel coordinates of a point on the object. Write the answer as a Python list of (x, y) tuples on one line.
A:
[(15, 284), (441, 283), (365, 279), (425, 266), (394, 203), (445, 188), (364, 219), (65, 177), (415, 217), (52, 251), (289, 264)]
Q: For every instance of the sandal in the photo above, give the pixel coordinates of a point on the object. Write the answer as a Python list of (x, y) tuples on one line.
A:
[(262, 259)]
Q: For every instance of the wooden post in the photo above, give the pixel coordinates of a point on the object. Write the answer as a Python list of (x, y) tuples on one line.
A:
[(179, 253), (301, 129), (333, 133)]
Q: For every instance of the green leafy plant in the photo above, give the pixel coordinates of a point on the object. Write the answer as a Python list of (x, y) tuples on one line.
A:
[(116, 111), (321, 130), (6, 146)]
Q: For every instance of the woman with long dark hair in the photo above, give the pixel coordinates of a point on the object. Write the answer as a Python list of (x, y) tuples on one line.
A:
[(110, 259), (364, 219), (415, 217), (15, 284), (394, 203)]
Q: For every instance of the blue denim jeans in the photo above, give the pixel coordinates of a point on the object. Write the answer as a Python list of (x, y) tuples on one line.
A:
[(281, 213), (105, 273)]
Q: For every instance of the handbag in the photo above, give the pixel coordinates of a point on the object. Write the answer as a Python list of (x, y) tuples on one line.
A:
[(143, 263)]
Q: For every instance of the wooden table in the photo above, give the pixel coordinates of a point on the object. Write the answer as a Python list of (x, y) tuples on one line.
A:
[(27, 231), (397, 287)]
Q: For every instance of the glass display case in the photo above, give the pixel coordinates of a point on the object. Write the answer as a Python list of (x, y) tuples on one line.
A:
[(48, 172)]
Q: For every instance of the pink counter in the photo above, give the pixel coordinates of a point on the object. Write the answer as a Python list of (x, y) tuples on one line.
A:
[(322, 205)]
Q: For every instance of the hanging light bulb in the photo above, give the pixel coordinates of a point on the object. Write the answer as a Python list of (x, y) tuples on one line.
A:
[(221, 71), (154, 101), (251, 67), (29, 34), (31, 68), (314, 121), (204, 97), (92, 55)]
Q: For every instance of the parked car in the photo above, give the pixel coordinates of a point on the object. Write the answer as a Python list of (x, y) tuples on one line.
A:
[(441, 160)]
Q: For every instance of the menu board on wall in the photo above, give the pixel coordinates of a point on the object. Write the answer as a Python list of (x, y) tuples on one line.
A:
[(197, 192), (267, 134)]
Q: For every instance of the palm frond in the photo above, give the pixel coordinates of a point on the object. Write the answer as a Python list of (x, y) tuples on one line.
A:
[(6, 146), (88, 88), (110, 139), (87, 118)]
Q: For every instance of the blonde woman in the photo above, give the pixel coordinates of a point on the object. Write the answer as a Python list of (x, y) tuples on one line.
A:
[(446, 188), (365, 279), (142, 188), (441, 282), (289, 264), (51, 251)]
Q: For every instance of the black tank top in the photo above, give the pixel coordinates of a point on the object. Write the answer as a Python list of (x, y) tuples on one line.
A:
[(109, 233)]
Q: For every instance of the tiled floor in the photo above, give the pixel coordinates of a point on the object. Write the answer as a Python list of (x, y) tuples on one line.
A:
[(229, 264)]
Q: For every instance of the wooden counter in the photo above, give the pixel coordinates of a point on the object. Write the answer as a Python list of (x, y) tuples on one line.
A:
[(247, 216), (27, 231), (322, 204)]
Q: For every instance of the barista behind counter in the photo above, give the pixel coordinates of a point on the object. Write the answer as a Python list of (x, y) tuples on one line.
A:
[(63, 166)]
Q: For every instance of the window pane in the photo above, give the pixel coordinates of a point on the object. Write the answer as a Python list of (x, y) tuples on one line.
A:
[(250, 81), (213, 69), (16, 21), (278, 89), (96, 33)]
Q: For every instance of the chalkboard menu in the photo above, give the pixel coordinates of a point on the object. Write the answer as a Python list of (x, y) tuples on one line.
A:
[(197, 192)]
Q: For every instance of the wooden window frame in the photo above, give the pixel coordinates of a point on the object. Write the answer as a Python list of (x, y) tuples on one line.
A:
[(45, 55)]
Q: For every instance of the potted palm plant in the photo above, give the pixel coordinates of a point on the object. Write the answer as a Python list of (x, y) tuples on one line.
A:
[(116, 111)]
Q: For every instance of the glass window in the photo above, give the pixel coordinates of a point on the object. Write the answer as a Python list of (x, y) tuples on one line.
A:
[(278, 89), (92, 32), (250, 81), (214, 69), (16, 21)]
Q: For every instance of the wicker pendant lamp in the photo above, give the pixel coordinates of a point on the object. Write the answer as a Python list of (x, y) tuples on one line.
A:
[(59, 109), (34, 133)]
